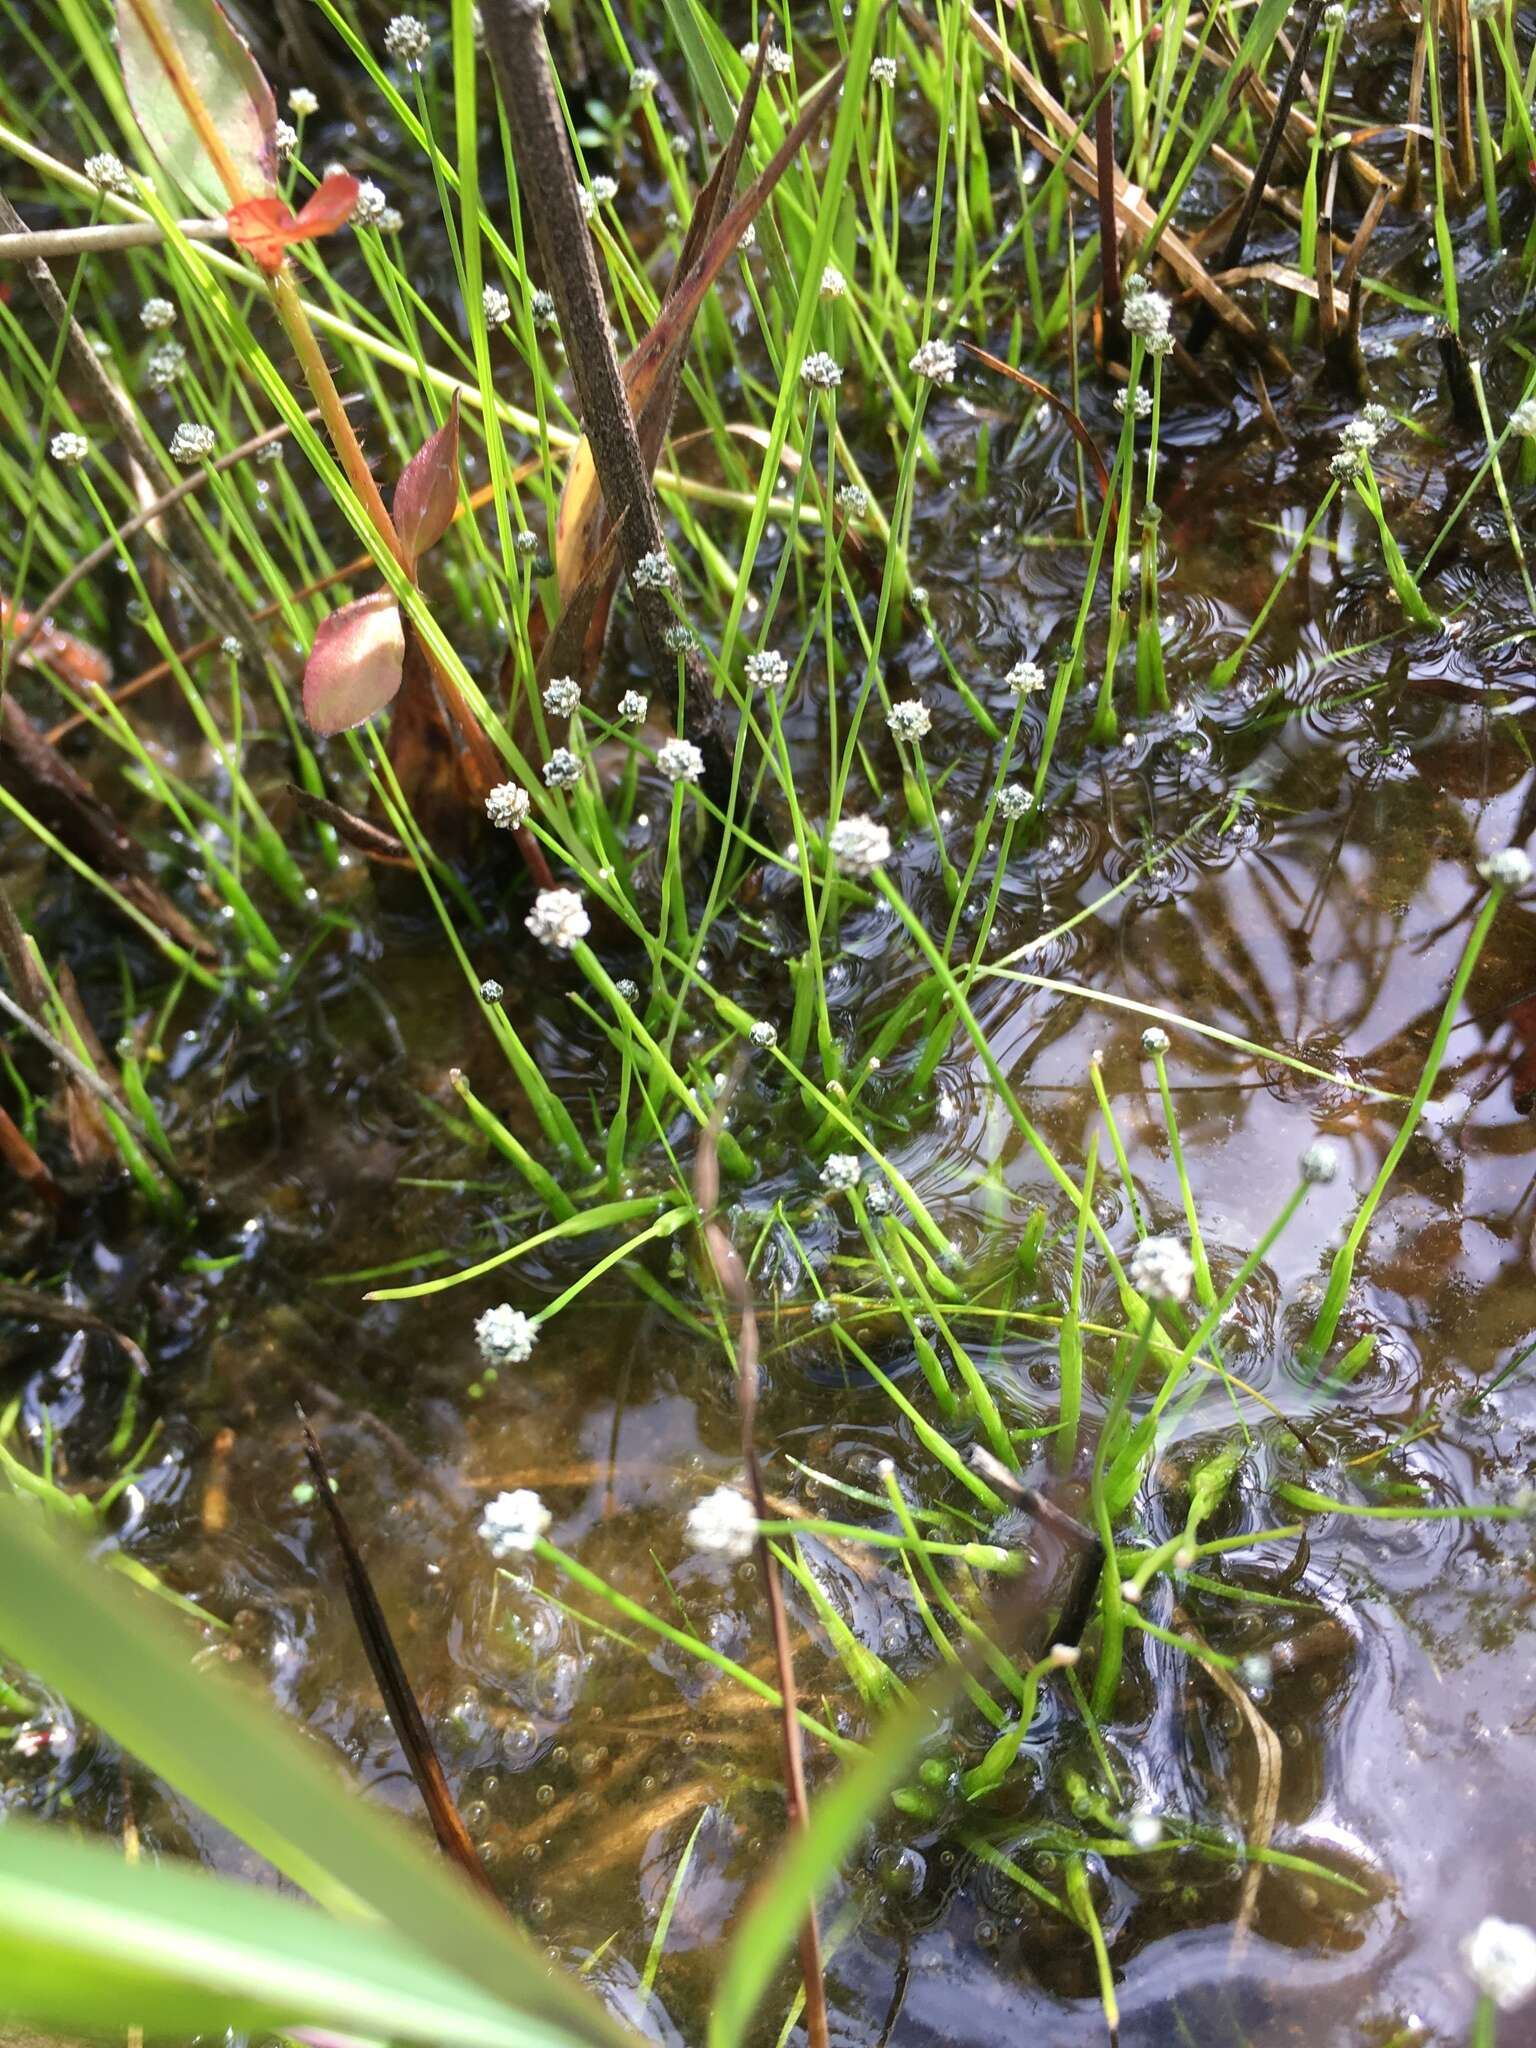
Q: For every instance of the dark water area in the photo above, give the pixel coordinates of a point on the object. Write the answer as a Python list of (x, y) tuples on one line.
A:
[(1295, 858)]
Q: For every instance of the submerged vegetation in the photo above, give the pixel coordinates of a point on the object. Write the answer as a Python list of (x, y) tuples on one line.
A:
[(765, 778)]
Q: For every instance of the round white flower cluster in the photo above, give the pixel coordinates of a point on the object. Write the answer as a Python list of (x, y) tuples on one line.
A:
[(654, 571), (69, 449), (723, 1524), (157, 313), (882, 71), (633, 706), (1500, 1956), (910, 721), (642, 80), (108, 173), (504, 1335), (1510, 869), (372, 205), (542, 307), (302, 101), (495, 306), (1162, 1270), (764, 1036), (1013, 800), (1319, 1164), (508, 806), (841, 1173), (936, 361), (192, 443), (680, 761), (767, 669), (821, 372), (558, 919), (859, 845), (562, 770), (833, 282), (1025, 678), (1155, 1041), (514, 1522), (561, 696)]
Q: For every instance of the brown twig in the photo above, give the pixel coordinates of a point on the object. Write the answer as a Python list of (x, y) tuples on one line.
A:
[(731, 1275), (30, 244), (514, 38), (1204, 320), (400, 1702)]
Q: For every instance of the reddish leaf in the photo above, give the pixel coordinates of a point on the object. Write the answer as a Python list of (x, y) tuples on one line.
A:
[(355, 664), (264, 228), (427, 494)]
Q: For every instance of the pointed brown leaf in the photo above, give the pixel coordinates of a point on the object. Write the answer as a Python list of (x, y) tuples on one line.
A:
[(652, 371), (427, 494), (355, 664)]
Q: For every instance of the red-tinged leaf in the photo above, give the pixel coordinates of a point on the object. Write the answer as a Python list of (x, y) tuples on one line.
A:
[(265, 228), (328, 207), (427, 494), (355, 664), (199, 95)]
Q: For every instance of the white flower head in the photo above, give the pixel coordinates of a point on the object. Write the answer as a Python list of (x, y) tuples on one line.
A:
[(937, 361), (233, 647), (1522, 420), (542, 307), (504, 1335), (526, 543), (491, 990), (1346, 465), (1155, 1041), (1480, 10), (655, 571), (629, 990), (833, 282), (680, 761), (108, 173), (842, 1172), (1360, 433), (558, 919), (562, 694), (764, 1036), (69, 449), (642, 80), (157, 313), (372, 205), (1014, 800), (1147, 314), (859, 845), (508, 806), (514, 1522), (1162, 1270), (910, 720), (677, 638), (302, 101), (562, 770), (1139, 401), (165, 365), (1510, 869), (495, 306), (285, 140), (1319, 1163), (1025, 678), (1145, 1830), (853, 500), (723, 1524), (1335, 15), (1500, 1956), (882, 71), (192, 443), (821, 372), (767, 669), (633, 706)]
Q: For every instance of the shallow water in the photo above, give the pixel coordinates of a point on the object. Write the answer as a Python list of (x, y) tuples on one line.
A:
[(1361, 771)]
